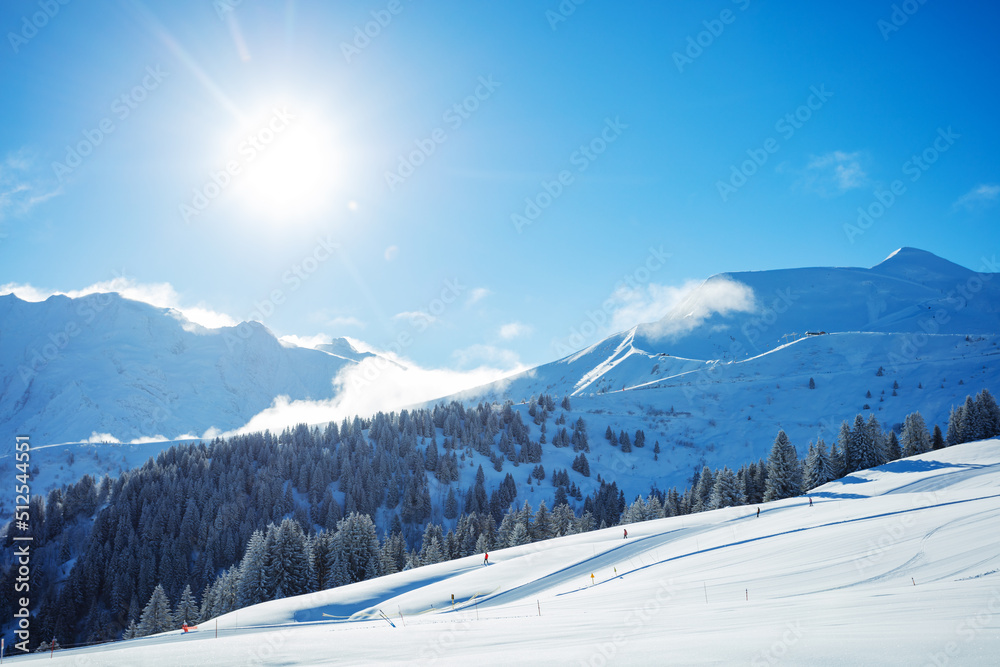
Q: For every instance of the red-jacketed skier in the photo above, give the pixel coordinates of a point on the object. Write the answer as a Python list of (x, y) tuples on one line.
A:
[(486, 559), (626, 533)]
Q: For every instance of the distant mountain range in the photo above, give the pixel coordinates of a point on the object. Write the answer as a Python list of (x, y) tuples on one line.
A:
[(102, 364), (108, 365)]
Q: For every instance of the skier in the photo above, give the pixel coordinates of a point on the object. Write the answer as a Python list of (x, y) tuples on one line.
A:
[(810, 501), (626, 533), (758, 512), (486, 559)]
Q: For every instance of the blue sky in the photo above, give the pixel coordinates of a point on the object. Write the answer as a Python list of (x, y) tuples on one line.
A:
[(268, 159)]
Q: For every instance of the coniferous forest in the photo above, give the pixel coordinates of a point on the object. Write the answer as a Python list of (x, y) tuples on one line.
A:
[(208, 528)]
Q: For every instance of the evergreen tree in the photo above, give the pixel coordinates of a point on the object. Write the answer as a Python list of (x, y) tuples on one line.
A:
[(187, 610), (156, 616), (253, 586), (784, 476), (937, 440), (726, 492), (450, 505), (914, 438), (893, 451)]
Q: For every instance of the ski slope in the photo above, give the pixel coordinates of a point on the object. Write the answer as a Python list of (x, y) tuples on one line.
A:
[(899, 565)]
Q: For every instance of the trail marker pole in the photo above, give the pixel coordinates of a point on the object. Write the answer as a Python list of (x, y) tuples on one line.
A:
[(705, 586), (914, 582), (539, 607), (216, 628), (398, 608), (477, 610), (453, 602), (748, 595)]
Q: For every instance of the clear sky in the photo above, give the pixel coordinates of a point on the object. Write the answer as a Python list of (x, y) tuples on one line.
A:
[(269, 159)]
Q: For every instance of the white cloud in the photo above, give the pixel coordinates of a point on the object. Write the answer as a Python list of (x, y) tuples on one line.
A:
[(20, 190), (675, 310), (161, 295), (514, 329), (834, 172), (477, 294), (388, 382), (310, 342), (416, 317), (391, 253), (981, 196)]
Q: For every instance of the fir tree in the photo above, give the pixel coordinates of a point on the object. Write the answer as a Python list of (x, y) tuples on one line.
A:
[(892, 449), (914, 438), (784, 476), (156, 616), (187, 608), (937, 440)]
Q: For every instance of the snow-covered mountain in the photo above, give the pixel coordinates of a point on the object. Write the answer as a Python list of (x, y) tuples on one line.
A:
[(102, 364), (897, 565), (739, 316)]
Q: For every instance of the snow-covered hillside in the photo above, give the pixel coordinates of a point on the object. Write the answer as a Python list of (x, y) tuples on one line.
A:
[(102, 364), (899, 565), (738, 316)]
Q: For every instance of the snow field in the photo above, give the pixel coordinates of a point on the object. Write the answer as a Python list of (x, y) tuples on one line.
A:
[(898, 565)]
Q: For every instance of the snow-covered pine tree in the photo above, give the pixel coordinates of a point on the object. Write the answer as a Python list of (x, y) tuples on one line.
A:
[(702, 492), (253, 587), (727, 492), (187, 608), (156, 616), (990, 412), (955, 419), (914, 438), (871, 444), (288, 570), (892, 448), (356, 550), (845, 445), (784, 475)]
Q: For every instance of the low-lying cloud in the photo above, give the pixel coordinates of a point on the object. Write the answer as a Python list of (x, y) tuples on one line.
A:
[(675, 310)]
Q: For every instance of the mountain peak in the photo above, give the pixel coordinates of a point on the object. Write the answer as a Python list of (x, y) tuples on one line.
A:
[(919, 266)]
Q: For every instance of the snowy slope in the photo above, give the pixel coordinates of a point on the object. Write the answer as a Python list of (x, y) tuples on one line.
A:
[(899, 565), (108, 365), (912, 292)]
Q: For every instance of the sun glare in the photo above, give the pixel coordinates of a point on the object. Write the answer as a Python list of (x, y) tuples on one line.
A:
[(288, 165)]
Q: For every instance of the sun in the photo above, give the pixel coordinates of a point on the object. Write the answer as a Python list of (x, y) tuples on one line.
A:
[(287, 165)]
